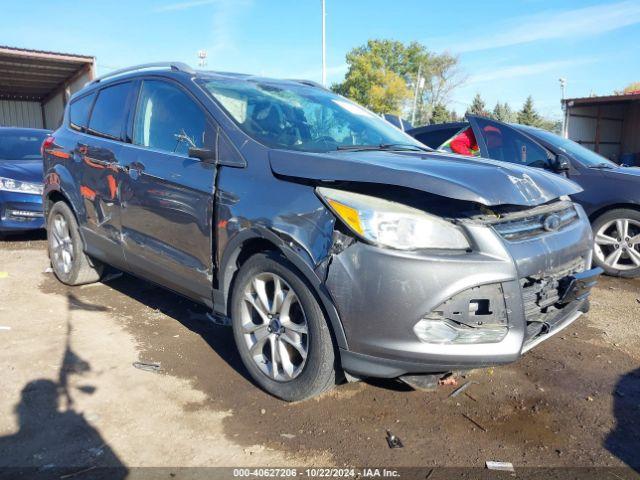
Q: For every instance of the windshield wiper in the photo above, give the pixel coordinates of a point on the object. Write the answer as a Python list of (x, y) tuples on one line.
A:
[(389, 147)]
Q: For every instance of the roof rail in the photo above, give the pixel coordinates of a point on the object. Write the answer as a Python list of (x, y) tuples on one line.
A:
[(179, 66)]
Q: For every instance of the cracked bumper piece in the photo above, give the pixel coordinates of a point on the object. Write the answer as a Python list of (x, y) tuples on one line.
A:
[(408, 313)]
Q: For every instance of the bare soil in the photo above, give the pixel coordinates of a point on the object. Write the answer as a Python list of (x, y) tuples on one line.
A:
[(71, 397)]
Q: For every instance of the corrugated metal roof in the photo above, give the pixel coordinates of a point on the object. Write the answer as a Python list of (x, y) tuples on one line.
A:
[(29, 50), (629, 97), (36, 74)]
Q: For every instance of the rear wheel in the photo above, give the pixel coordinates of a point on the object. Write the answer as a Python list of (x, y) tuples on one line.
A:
[(66, 250), (280, 329), (617, 242)]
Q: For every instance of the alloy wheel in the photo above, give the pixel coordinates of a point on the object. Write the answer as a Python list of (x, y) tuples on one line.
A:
[(274, 327), (617, 244), (61, 245)]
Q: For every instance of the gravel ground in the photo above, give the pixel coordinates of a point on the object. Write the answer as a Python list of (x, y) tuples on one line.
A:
[(72, 398)]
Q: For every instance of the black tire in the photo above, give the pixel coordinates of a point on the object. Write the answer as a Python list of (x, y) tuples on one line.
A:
[(633, 217), (318, 373), (83, 268)]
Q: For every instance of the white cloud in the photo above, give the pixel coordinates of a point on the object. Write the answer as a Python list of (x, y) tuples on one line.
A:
[(550, 25), (526, 70)]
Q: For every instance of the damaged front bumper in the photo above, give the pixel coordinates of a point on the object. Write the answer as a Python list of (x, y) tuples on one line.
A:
[(409, 312)]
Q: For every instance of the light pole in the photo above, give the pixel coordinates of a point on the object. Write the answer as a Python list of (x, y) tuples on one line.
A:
[(324, 47), (563, 84), (202, 55)]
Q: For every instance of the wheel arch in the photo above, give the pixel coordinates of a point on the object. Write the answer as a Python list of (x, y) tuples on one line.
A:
[(250, 242), (614, 206)]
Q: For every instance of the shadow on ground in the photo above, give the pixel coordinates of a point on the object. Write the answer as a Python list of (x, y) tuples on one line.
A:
[(624, 440), (53, 439)]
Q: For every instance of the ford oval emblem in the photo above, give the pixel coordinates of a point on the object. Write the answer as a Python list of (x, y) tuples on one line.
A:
[(552, 222)]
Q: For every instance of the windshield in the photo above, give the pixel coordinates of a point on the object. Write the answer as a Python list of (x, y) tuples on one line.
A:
[(587, 157), (301, 117), (17, 145)]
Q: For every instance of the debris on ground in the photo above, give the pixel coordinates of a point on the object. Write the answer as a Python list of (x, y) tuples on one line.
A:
[(393, 441), (424, 383), (288, 435), (48, 270), (147, 366), (474, 422), (262, 411), (504, 466), (462, 388), (4, 274), (3, 327), (448, 379)]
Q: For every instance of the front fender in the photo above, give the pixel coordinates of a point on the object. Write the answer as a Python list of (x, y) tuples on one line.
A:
[(293, 252)]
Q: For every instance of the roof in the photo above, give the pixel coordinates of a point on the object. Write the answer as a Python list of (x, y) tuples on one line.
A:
[(36, 74), (627, 97)]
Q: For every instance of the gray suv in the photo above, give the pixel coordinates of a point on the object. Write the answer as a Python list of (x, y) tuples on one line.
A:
[(333, 243)]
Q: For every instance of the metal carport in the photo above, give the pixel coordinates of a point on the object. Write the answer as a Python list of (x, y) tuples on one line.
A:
[(609, 125), (35, 85)]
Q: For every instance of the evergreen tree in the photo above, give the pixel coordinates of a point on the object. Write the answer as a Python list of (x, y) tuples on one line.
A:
[(503, 113), (528, 114), (477, 106), (440, 114)]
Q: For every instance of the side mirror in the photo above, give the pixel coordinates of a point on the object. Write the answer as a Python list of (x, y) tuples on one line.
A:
[(205, 155), (561, 163)]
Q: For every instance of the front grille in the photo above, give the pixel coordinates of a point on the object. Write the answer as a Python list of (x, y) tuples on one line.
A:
[(535, 224), (540, 296)]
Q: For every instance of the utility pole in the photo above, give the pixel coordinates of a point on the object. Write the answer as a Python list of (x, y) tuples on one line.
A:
[(419, 84), (324, 46)]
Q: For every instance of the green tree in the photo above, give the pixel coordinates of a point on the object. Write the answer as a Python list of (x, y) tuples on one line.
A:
[(376, 69), (377, 75), (440, 114), (503, 113), (528, 115), (477, 106)]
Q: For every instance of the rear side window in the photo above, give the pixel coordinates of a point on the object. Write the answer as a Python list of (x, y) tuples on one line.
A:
[(79, 112), (168, 119), (110, 111)]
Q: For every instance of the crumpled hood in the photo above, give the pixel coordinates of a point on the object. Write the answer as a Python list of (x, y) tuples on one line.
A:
[(22, 170), (483, 181)]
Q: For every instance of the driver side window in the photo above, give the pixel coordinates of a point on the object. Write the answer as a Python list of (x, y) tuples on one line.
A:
[(506, 144), (168, 119)]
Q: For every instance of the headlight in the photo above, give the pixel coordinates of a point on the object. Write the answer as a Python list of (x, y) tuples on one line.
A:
[(392, 224), (11, 185)]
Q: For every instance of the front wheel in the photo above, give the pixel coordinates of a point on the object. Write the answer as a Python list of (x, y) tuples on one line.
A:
[(617, 242), (66, 250), (280, 330)]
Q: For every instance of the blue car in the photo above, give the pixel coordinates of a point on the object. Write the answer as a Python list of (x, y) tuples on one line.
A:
[(21, 179)]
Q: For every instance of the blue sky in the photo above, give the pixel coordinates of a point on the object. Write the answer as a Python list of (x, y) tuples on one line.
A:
[(507, 49)]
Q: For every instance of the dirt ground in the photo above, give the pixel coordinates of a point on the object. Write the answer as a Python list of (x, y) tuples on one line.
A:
[(71, 398)]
